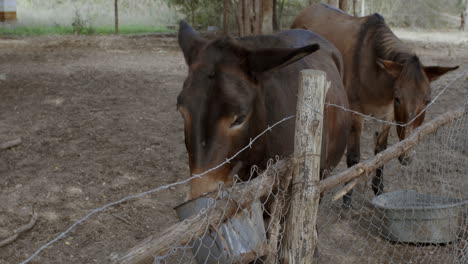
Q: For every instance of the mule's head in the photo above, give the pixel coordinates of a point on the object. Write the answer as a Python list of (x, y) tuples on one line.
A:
[(412, 93), (222, 106)]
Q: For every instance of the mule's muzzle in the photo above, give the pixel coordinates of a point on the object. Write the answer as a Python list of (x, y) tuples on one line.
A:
[(407, 158)]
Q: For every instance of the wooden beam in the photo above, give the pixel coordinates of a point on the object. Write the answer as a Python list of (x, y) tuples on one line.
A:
[(300, 236)]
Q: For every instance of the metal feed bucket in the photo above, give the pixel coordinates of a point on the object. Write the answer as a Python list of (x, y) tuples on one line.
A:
[(411, 217), (240, 235)]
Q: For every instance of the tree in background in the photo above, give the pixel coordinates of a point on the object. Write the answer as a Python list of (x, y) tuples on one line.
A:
[(254, 17), (264, 16), (187, 7), (464, 14), (354, 7), (226, 17), (343, 5)]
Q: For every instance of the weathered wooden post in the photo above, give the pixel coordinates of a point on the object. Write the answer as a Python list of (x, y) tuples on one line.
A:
[(300, 237)]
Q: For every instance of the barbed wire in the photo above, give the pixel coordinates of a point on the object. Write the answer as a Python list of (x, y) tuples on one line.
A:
[(228, 160), (100, 209)]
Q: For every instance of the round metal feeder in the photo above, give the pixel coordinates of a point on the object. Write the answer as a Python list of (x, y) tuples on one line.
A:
[(411, 217), (240, 235)]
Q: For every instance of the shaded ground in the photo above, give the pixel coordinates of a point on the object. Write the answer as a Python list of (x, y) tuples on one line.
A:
[(98, 122)]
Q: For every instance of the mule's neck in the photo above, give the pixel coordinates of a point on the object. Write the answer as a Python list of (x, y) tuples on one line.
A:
[(386, 44)]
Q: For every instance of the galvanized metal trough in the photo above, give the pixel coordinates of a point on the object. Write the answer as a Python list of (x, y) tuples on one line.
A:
[(412, 217), (241, 235)]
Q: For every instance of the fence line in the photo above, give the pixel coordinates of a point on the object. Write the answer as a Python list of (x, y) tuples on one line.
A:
[(182, 232), (100, 209), (158, 247), (193, 176)]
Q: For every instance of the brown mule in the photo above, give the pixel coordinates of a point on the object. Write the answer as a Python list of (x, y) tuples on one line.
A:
[(382, 76), (236, 88)]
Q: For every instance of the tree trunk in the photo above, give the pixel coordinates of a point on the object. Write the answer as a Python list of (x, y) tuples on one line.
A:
[(116, 16), (354, 7), (267, 24), (280, 15), (250, 17), (363, 7), (343, 5), (275, 16), (192, 11), (465, 16), (225, 17)]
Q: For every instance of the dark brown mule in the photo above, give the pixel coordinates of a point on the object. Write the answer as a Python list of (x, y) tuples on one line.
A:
[(382, 77), (235, 89)]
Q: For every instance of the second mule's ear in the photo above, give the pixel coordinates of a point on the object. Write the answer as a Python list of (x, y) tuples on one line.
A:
[(189, 41), (391, 67), (262, 60), (434, 72)]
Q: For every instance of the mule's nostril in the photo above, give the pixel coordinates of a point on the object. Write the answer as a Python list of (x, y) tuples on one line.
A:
[(203, 143)]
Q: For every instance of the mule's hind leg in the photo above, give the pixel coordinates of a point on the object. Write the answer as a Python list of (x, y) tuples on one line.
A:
[(353, 152), (380, 145)]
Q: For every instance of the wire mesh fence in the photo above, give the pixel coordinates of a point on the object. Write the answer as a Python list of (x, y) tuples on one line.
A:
[(238, 224), (421, 217), (243, 223), (424, 226)]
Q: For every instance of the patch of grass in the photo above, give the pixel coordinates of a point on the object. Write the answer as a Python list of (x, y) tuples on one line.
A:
[(21, 30)]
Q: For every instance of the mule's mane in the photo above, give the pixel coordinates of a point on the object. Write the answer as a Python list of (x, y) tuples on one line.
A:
[(387, 46)]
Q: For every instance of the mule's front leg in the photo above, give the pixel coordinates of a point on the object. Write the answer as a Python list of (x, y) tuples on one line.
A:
[(380, 145), (353, 152)]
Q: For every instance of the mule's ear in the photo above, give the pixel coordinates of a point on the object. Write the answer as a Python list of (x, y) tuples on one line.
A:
[(391, 67), (434, 72), (189, 41), (262, 60)]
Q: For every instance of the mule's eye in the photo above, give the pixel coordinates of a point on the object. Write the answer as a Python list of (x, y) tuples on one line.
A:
[(397, 100), (427, 102), (238, 120)]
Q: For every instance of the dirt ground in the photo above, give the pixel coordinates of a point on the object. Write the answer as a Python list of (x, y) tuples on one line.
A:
[(98, 122)]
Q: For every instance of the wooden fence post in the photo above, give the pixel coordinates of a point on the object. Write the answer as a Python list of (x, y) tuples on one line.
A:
[(300, 237)]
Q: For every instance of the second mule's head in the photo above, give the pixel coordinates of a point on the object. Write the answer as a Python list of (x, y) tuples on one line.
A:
[(222, 106), (412, 93)]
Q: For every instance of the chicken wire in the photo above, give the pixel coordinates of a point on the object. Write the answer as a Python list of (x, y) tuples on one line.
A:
[(247, 236), (439, 169), (352, 235)]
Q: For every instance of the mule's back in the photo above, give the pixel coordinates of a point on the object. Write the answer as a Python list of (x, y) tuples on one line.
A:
[(337, 27), (341, 29), (280, 92)]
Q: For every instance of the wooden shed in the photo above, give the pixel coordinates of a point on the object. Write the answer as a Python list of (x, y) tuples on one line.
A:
[(7, 10)]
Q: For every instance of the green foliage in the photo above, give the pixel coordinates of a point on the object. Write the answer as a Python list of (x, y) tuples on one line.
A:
[(200, 12), (66, 30), (79, 24)]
